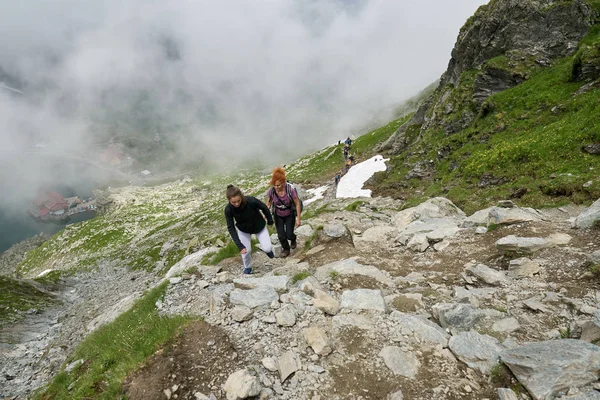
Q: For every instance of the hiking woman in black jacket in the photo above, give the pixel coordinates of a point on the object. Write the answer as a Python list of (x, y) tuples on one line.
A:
[(245, 211)]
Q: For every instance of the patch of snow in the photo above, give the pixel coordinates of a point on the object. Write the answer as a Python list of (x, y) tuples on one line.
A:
[(352, 182), (317, 193)]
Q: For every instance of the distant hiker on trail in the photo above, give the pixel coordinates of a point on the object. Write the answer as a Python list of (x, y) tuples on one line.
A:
[(337, 178), (348, 165), (348, 142), (346, 150), (286, 209), (245, 211)]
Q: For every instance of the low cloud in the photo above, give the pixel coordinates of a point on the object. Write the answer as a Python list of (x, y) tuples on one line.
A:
[(222, 81)]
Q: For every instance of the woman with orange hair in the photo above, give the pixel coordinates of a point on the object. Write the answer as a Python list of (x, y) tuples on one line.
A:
[(287, 209)]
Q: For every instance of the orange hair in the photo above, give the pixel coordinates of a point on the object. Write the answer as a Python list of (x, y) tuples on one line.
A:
[(278, 175)]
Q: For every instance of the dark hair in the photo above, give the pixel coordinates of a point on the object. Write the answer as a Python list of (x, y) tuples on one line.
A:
[(233, 191)]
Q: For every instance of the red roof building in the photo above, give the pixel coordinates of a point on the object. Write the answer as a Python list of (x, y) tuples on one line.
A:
[(50, 202)]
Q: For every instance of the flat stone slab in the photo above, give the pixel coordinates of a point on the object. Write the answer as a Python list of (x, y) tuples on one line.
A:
[(400, 362), (421, 328), (253, 298), (478, 351), (521, 245), (363, 299), (278, 282), (350, 267), (487, 274)]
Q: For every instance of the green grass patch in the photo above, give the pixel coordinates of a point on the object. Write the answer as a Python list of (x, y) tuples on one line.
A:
[(354, 206), (113, 351), (17, 296), (300, 276), (230, 250)]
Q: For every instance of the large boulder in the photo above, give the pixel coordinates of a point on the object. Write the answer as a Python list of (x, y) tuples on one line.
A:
[(438, 207), (547, 368)]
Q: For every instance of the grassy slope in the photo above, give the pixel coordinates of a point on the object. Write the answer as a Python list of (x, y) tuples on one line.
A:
[(529, 137), (113, 351)]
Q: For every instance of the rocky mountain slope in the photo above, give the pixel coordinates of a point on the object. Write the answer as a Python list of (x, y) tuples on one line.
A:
[(418, 303), (424, 292), (513, 115)]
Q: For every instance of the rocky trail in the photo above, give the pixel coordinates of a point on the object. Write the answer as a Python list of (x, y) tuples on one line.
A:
[(424, 303)]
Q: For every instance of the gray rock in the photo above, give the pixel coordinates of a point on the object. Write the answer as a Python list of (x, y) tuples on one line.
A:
[(487, 274), (358, 321), (595, 257), (521, 245), (252, 298), (279, 282), (460, 316), (418, 243), (289, 363), (506, 394), (363, 299), (270, 364), (438, 207), (590, 330), (588, 217), (304, 230), (547, 368), (241, 385), (350, 267), (286, 316), (335, 230), (421, 328), (523, 267), (400, 362), (241, 313), (395, 396), (326, 303), (478, 351), (317, 339), (506, 325)]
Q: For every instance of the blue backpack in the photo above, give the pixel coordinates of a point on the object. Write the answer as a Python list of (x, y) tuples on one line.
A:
[(288, 188)]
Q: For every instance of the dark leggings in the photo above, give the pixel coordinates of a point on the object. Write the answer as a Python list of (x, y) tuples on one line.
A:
[(285, 229)]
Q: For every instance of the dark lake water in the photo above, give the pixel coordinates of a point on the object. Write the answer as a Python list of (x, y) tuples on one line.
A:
[(19, 190), (16, 226)]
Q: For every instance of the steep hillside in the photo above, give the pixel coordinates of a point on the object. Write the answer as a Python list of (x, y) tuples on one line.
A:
[(514, 116)]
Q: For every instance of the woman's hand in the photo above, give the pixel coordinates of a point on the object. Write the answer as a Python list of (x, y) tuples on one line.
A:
[(297, 221), (243, 251)]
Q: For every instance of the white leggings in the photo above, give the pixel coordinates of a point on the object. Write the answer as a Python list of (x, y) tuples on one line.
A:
[(265, 244)]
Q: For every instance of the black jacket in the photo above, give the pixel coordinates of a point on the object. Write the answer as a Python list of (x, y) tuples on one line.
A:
[(247, 218)]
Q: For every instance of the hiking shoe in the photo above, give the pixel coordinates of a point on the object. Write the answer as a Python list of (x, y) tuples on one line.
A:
[(247, 271), (284, 253), (293, 244), (270, 254)]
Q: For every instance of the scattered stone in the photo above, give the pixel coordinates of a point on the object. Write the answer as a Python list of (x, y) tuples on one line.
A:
[(487, 274), (289, 363), (317, 339), (270, 364), (279, 283), (506, 325), (363, 299), (520, 245), (400, 362), (421, 328), (253, 298), (286, 316), (334, 230), (506, 394), (241, 385), (241, 313), (326, 303), (477, 351), (523, 267)]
